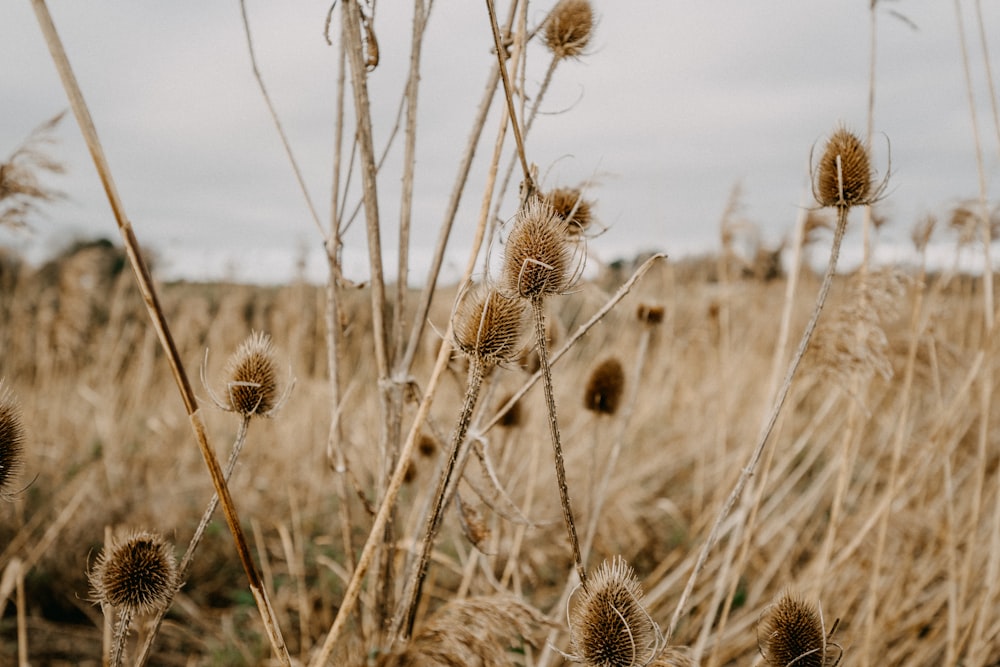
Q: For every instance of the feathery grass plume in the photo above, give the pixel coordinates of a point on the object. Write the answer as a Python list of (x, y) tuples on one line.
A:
[(11, 440), (541, 257), (252, 378), (650, 313), (487, 326), (569, 204), (569, 28), (135, 575), (605, 387), (922, 232), (609, 627), (476, 631), (20, 188), (792, 633), (844, 174)]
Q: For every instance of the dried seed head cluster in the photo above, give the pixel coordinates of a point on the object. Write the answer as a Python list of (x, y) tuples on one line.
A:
[(569, 27), (610, 627), (792, 633), (605, 387), (540, 258), (569, 204), (487, 326), (137, 574), (252, 377), (844, 174), (11, 440)]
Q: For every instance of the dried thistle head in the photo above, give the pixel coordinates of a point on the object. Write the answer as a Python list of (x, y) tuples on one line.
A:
[(792, 633), (136, 575), (252, 376), (511, 418), (11, 440), (427, 445), (609, 626), (541, 257), (605, 387), (569, 204), (650, 313), (487, 326), (844, 174), (569, 28)]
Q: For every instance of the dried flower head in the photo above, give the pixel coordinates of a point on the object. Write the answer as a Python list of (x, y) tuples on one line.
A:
[(792, 633), (569, 27), (605, 387), (541, 256), (844, 173), (11, 440), (569, 204), (650, 313), (487, 326), (609, 626), (511, 417), (137, 574), (427, 445), (252, 376)]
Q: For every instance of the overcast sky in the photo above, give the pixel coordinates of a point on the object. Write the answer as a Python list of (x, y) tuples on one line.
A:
[(675, 103)]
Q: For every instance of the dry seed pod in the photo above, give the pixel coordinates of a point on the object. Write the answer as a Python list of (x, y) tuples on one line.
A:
[(11, 440), (252, 377), (844, 174), (609, 626), (540, 258), (487, 326), (569, 27), (605, 387), (792, 633), (135, 575), (569, 204)]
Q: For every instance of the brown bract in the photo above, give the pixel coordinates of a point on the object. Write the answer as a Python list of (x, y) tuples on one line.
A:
[(137, 574), (540, 255), (568, 30), (844, 174)]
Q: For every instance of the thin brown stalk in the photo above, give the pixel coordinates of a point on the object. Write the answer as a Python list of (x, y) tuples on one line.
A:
[(748, 470), (22, 615), (158, 319)]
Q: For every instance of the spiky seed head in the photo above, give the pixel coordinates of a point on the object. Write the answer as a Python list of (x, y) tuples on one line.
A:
[(605, 387), (854, 172), (488, 326), (137, 574), (650, 313), (427, 445), (569, 27), (791, 632), (540, 254), (610, 628), (569, 204), (11, 439), (252, 377)]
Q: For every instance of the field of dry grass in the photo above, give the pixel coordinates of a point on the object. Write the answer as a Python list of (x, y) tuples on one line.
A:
[(883, 435)]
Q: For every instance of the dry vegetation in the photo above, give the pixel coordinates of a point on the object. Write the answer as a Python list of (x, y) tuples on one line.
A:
[(400, 506)]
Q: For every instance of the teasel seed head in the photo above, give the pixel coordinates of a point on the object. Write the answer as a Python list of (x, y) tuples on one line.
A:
[(569, 28), (649, 313), (605, 387), (609, 626), (541, 257), (427, 445), (487, 326), (135, 575), (792, 633), (846, 181), (569, 204), (11, 440), (252, 377), (511, 418)]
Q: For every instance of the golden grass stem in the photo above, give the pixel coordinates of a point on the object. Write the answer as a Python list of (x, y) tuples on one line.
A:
[(22, 614), (748, 469), (158, 319)]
